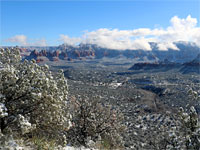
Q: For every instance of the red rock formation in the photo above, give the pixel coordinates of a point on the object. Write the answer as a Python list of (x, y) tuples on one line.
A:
[(56, 53), (43, 53), (39, 60), (77, 53), (34, 53), (69, 59), (105, 54), (55, 59)]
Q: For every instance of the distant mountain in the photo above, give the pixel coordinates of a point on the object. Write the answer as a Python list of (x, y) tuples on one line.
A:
[(43, 55), (187, 52), (192, 66), (196, 60), (185, 68), (161, 66), (56, 55)]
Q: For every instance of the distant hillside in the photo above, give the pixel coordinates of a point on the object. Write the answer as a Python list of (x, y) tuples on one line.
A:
[(185, 68), (187, 52), (192, 66), (162, 66)]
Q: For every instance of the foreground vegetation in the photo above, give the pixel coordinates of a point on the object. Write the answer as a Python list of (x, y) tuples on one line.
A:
[(35, 109), (34, 102)]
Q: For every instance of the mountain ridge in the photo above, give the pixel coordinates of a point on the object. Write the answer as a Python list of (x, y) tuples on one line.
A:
[(186, 53)]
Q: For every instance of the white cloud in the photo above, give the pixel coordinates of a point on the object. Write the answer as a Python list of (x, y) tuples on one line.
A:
[(166, 46), (182, 24), (40, 42), (23, 40), (179, 30), (70, 41)]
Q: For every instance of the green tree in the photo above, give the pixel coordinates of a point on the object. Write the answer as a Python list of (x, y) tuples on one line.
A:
[(94, 122), (31, 97)]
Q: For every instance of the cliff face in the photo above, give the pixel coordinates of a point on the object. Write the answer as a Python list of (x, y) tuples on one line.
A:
[(57, 55), (185, 68), (40, 56), (152, 66), (186, 53), (192, 66)]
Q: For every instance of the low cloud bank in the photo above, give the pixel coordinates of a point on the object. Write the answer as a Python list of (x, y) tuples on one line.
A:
[(23, 40), (179, 30)]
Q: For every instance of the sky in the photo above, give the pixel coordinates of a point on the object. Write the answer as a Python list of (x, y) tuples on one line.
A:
[(114, 24)]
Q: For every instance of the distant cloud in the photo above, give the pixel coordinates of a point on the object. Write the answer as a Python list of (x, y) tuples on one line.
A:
[(70, 41), (179, 30), (23, 40), (167, 45), (40, 42)]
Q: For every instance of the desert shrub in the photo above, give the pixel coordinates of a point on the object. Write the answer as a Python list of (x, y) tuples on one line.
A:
[(42, 143), (190, 129), (94, 122), (184, 135), (31, 97), (8, 143)]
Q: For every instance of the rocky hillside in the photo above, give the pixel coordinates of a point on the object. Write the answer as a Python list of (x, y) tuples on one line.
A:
[(56, 55), (192, 66), (165, 65), (187, 52)]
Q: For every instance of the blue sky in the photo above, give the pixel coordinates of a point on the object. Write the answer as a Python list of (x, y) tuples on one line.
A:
[(47, 20)]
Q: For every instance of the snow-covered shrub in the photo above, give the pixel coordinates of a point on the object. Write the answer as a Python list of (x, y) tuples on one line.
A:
[(31, 96), (184, 135), (94, 122), (8, 143), (24, 125), (3, 111), (190, 129)]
